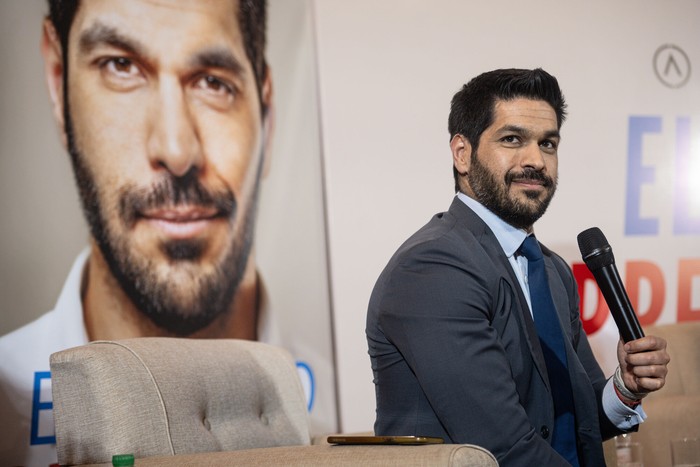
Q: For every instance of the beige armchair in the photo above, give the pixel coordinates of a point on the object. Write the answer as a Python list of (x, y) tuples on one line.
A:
[(206, 402)]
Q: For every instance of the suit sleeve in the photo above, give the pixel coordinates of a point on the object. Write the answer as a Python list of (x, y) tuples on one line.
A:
[(437, 311)]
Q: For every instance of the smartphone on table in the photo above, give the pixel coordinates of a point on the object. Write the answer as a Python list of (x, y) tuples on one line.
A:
[(390, 440)]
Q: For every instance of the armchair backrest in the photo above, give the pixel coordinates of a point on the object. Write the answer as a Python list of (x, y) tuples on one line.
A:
[(164, 396)]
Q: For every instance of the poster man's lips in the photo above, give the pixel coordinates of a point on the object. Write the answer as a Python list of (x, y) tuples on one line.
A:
[(181, 222), (181, 213)]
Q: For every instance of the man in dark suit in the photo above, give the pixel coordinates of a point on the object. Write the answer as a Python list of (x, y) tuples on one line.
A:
[(455, 323)]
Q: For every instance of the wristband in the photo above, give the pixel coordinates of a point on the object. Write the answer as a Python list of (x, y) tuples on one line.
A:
[(631, 405), (622, 389)]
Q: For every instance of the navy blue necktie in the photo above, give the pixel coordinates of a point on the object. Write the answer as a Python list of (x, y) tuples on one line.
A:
[(552, 343)]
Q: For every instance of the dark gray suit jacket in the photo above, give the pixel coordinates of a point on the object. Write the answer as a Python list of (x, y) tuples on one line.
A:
[(455, 353)]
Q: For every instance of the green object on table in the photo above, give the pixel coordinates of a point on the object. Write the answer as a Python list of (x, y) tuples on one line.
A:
[(123, 460)]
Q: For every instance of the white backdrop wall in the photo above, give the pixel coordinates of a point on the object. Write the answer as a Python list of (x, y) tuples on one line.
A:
[(388, 70)]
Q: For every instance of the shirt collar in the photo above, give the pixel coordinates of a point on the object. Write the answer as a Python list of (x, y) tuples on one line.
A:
[(509, 237)]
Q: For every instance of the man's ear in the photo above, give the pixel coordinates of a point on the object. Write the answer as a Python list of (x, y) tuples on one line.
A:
[(52, 52), (268, 122), (461, 153)]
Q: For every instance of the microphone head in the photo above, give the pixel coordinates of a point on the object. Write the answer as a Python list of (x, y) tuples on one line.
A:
[(595, 250)]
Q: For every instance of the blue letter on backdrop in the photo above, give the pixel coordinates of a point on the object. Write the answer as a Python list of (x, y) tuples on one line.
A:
[(637, 175), (683, 221)]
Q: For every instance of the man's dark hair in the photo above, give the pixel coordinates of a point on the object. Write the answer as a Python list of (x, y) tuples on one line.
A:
[(252, 19), (472, 108)]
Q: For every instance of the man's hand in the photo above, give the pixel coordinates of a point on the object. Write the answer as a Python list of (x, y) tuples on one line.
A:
[(643, 364)]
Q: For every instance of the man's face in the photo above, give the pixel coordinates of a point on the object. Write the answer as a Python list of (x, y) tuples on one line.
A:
[(167, 143), (514, 171)]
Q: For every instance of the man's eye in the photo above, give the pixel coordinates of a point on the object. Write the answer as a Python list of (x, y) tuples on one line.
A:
[(510, 139), (120, 66), (549, 144), (215, 86), (120, 73)]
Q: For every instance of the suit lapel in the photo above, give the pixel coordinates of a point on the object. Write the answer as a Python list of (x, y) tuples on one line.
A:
[(486, 238)]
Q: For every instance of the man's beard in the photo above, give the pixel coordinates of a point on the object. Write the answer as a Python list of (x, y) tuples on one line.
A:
[(494, 193), (207, 295)]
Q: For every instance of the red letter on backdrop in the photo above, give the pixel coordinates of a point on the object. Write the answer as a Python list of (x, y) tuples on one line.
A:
[(687, 270), (592, 325), (636, 271)]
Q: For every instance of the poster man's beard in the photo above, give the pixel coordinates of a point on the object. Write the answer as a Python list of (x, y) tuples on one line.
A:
[(494, 194), (176, 308)]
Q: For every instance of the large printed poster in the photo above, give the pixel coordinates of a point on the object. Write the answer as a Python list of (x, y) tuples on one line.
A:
[(44, 229)]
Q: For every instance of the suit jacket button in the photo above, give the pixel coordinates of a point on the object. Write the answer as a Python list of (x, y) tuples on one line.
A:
[(544, 431)]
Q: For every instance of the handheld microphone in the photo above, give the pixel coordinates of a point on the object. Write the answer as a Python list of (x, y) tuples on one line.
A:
[(598, 256)]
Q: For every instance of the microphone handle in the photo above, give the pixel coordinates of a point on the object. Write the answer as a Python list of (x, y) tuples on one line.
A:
[(619, 303)]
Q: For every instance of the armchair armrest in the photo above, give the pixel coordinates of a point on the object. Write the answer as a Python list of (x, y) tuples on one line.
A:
[(324, 455)]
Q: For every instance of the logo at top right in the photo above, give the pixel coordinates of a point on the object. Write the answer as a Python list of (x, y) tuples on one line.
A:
[(672, 66)]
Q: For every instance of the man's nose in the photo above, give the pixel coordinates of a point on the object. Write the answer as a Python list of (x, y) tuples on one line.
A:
[(174, 142), (531, 156)]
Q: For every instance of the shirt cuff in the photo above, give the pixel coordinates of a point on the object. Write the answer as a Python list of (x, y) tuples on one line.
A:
[(622, 416)]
